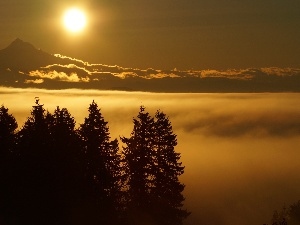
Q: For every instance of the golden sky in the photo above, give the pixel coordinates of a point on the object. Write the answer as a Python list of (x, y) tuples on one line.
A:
[(206, 34)]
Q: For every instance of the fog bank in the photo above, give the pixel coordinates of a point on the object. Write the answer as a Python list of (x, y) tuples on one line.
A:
[(241, 151)]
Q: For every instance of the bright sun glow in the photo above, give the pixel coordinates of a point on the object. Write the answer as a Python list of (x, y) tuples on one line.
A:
[(74, 20)]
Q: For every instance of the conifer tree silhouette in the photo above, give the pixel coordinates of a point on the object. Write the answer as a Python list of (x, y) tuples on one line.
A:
[(52, 186), (61, 175), (287, 215), (64, 154), (75, 198), (8, 163), (155, 193), (34, 135), (64, 139), (280, 217), (35, 177), (102, 160), (294, 213), (167, 191), (138, 153), (8, 126)]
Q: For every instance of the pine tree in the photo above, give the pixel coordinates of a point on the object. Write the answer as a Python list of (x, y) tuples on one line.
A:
[(63, 135), (155, 192), (138, 153), (64, 143), (8, 126), (281, 217), (8, 165), (36, 178), (33, 138), (167, 193), (73, 195), (294, 214), (290, 215), (102, 158)]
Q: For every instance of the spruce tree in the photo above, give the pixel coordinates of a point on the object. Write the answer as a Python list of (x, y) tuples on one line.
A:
[(139, 153), (63, 143), (63, 134), (34, 136), (8, 126), (74, 199), (102, 159), (8, 164), (167, 193), (37, 197), (153, 167), (294, 214)]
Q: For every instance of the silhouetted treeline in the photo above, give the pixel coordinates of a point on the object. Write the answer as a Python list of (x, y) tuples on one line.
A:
[(54, 173), (287, 215)]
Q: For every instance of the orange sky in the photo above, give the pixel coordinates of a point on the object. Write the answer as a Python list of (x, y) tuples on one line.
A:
[(207, 34)]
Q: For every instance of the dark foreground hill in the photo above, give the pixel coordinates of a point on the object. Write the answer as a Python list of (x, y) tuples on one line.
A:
[(23, 65)]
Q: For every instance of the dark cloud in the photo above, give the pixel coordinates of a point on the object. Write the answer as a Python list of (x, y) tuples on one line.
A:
[(247, 80), (58, 71)]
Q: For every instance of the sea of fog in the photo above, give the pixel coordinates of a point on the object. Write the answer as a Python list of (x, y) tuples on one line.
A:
[(241, 151)]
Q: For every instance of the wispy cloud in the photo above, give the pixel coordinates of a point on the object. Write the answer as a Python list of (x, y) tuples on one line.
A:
[(70, 67), (123, 73), (66, 69), (244, 74), (36, 81), (61, 76), (281, 71), (72, 59)]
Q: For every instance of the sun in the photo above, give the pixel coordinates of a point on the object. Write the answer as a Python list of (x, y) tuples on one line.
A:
[(74, 20)]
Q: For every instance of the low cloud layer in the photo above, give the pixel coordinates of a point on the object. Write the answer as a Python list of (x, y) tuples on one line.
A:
[(259, 124), (220, 115), (240, 151)]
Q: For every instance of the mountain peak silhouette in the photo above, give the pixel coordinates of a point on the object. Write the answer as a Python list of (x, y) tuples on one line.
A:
[(21, 55), (19, 44)]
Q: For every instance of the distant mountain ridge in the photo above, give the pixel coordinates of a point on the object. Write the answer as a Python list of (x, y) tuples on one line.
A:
[(23, 65), (24, 56)]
